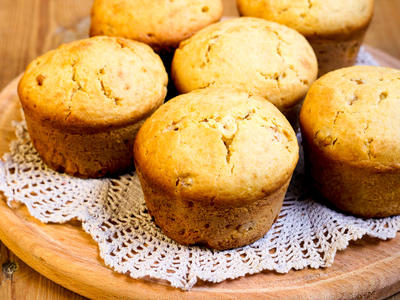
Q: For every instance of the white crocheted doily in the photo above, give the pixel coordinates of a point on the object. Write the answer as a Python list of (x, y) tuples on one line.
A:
[(113, 212)]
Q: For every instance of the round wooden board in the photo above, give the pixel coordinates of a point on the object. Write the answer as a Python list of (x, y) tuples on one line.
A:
[(64, 253)]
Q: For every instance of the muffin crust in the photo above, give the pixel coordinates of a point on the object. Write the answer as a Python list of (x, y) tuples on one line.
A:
[(212, 161), (350, 122), (259, 57), (162, 24), (89, 93), (335, 29), (313, 18)]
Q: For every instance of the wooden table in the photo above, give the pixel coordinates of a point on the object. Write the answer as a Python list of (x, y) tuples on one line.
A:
[(29, 28)]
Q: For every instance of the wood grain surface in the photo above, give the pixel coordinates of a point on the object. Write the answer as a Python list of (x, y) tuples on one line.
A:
[(29, 28), (367, 269)]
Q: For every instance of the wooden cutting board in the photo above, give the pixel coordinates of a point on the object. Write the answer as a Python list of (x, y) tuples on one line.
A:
[(64, 253)]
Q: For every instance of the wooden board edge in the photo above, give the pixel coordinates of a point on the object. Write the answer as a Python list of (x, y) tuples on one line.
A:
[(69, 274), (40, 262)]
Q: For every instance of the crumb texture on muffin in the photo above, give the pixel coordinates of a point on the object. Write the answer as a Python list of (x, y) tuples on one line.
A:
[(162, 24), (313, 17), (353, 114), (214, 165), (217, 144), (350, 124), (335, 29), (94, 83), (260, 57), (85, 101)]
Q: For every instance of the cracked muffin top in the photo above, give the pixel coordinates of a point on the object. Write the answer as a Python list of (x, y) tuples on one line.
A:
[(217, 145), (353, 115), (162, 24), (260, 57), (313, 17), (94, 83)]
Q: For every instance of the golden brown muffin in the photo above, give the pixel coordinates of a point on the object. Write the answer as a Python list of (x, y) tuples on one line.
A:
[(84, 102), (259, 57), (214, 165), (335, 28), (162, 24), (350, 122)]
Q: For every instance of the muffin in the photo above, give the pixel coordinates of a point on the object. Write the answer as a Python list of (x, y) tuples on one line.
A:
[(259, 57), (350, 121), (162, 24), (85, 101), (214, 166), (334, 28)]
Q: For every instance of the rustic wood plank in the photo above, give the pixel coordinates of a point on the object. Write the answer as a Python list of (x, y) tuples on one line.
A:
[(29, 28), (368, 269), (384, 32), (19, 281)]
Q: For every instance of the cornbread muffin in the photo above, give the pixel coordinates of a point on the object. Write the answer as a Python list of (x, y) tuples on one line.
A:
[(335, 28), (85, 101), (214, 165), (259, 57), (162, 24), (350, 122)]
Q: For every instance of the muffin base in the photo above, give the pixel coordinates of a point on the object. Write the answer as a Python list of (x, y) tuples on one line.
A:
[(369, 192), (214, 226), (334, 54), (86, 155)]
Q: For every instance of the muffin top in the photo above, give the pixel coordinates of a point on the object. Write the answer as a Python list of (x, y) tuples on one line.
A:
[(353, 115), (259, 57), (217, 145), (161, 24), (94, 83), (313, 17)]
